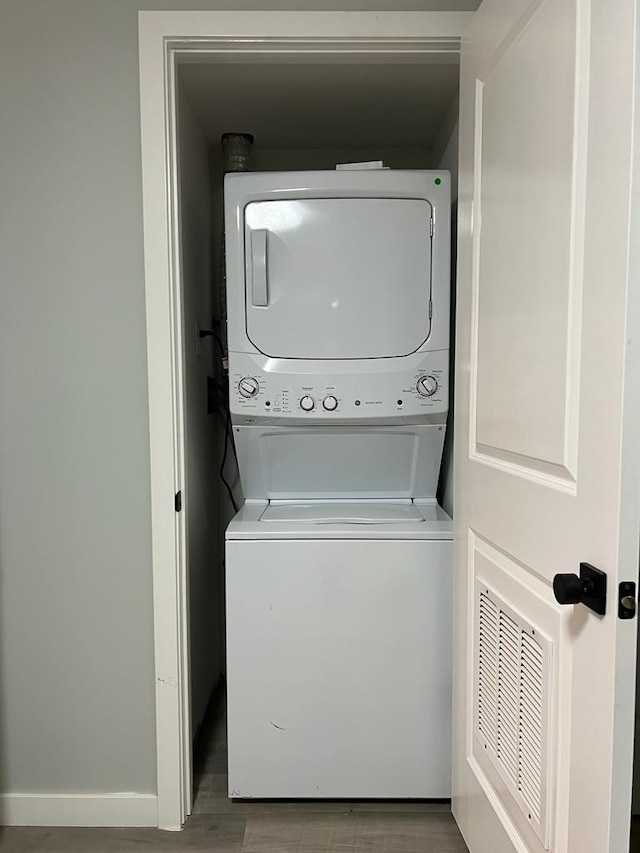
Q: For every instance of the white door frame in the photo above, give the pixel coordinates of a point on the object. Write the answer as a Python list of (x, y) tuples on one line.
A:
[(165, 38)]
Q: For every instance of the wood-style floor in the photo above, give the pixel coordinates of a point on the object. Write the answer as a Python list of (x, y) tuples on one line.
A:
[(223, 826)]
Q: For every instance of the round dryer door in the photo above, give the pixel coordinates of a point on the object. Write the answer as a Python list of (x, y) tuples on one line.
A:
[(338, 278)]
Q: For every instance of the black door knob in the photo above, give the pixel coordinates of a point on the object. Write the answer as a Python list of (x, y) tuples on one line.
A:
[(570, 589), (590, 588)]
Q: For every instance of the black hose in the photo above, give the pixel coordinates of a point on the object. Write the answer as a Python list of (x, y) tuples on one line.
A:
[(227, 435)]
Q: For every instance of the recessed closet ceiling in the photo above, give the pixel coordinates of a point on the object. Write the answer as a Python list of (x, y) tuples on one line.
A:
[(323, 105)]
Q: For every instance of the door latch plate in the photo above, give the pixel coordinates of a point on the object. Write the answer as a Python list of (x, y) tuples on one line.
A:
[(627, 604), (595, 596)]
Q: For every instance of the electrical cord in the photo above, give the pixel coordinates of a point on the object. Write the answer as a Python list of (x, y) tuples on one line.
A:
[(228, 434), (211, 333), (224, 459), (233, 444)]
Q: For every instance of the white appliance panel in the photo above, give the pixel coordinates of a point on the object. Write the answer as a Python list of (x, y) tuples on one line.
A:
[(334, 512), (340, 459), (334, 462), (268, 390), (284, 521), (315, 272), (339, 668), (338, 278)]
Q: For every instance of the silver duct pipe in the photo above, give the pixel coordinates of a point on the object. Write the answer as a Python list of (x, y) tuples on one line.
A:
[(236, 148)]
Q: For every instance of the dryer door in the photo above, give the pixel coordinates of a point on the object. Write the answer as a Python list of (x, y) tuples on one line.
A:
[(337, 278)]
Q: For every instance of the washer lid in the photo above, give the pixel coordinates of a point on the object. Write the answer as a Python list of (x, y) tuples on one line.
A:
[(338, 278), (342, 513)]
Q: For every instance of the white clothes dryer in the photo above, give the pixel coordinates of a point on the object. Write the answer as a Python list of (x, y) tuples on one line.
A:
[(338, 565)]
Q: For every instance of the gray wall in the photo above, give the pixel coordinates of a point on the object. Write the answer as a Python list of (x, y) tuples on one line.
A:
[(76, 645)]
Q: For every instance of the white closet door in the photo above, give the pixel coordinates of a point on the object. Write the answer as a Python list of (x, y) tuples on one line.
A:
[(546, 426), (336, 278)]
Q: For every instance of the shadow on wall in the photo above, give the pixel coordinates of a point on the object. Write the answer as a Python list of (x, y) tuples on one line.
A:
[(445, 483)]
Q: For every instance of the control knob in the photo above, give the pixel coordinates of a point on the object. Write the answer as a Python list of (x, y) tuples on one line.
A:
[(307, 403), (330, 403), (248, 387), (427, 386)]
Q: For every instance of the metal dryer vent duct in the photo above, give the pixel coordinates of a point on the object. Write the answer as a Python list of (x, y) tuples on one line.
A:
[(236, 148)]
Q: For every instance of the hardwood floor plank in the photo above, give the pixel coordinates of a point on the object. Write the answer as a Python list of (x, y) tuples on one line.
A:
[(222, 833), (211, 798), (352, 833)]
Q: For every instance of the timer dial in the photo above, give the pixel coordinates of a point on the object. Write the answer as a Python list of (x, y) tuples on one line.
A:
[(248, 386), (307, 403), (427, 386), (330, 403)]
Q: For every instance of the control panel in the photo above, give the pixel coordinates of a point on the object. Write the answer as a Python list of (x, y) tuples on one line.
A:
[(259, 392)]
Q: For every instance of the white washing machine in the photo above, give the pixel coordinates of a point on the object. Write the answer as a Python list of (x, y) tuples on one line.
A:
[(338, 565)]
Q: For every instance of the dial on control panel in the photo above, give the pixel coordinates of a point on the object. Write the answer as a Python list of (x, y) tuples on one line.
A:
[(427, 386), (248, 387), (307, 403), (330, 403)]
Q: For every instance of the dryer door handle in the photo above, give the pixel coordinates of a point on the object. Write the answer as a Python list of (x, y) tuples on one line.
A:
[(259, 282)]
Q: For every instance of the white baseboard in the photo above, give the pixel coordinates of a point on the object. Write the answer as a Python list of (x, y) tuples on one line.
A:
[(78, 809)]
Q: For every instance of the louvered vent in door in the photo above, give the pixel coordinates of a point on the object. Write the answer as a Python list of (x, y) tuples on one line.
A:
[(512, 703)]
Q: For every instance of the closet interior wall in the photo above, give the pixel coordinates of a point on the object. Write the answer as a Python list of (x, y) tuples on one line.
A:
[(206, 556)]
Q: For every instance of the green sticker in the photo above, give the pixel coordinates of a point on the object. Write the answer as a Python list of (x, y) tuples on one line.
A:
[(437, 181)]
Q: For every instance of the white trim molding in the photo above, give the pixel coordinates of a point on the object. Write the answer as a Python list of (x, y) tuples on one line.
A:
[(165, 39), (121, 809)]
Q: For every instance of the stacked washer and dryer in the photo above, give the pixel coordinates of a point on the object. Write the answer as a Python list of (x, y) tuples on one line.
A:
[(338, 564)]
